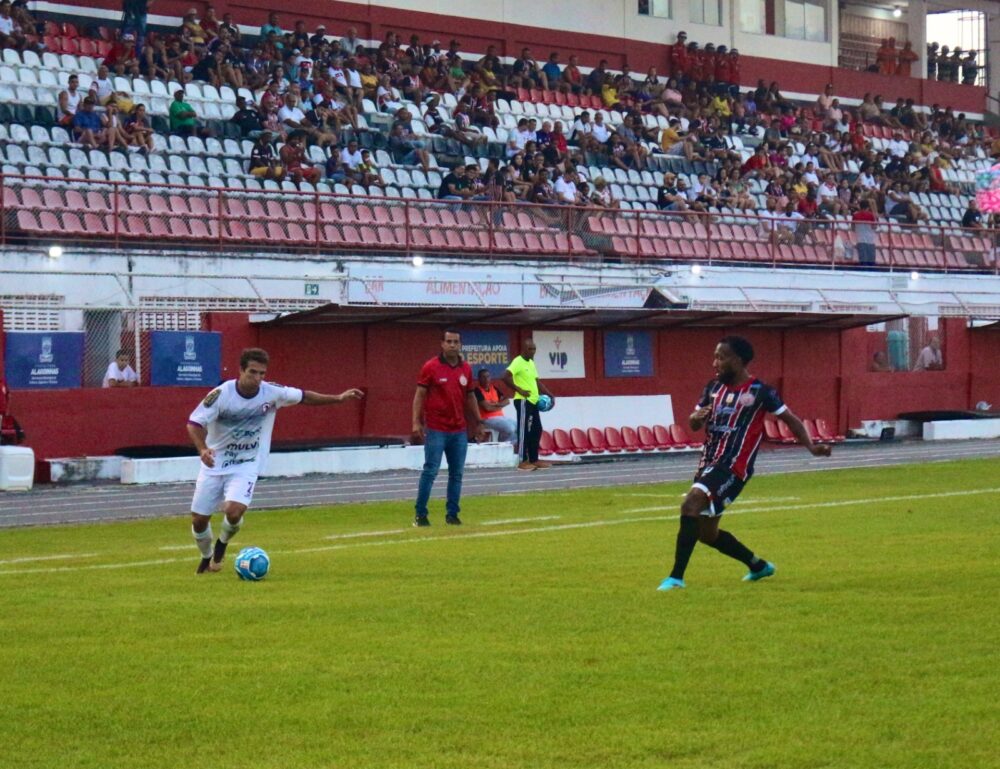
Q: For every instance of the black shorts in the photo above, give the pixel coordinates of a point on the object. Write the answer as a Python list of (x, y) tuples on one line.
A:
[(722, 487)]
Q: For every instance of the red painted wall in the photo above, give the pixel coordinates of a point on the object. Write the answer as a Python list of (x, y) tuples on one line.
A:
[(373, 21), (819, 373)]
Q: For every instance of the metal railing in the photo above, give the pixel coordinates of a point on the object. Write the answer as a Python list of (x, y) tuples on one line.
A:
[(84, 214)]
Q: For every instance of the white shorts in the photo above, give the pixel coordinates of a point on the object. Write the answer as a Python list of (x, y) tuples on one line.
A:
[(212, 490)]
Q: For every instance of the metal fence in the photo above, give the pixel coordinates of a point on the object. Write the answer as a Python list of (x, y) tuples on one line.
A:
[(46, 211)]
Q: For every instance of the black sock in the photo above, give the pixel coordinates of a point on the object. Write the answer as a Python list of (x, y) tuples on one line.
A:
[(727, 544), (687, 538)]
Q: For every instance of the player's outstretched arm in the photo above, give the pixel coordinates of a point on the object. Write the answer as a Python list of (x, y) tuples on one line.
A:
[(802, 435), (310, 398)]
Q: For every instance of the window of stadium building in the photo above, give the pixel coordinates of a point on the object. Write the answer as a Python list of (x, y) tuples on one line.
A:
[(805, 20), (706, 12), (659, 8), (753, 16)]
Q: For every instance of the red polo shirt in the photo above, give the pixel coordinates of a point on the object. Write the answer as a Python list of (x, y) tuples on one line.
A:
[(448, 389)]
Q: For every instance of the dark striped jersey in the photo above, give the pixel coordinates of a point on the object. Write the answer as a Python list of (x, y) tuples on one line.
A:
[(735, 427)]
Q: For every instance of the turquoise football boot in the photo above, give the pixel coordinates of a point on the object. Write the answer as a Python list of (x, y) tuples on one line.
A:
[(671, 584), (753, 576)]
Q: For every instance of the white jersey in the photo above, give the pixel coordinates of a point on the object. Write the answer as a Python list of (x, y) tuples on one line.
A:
[(239, 428)]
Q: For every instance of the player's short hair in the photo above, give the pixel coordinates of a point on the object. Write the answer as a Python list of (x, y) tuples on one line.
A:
[(121, 352), (446, 331), (740, 346), (482, 371), (254, 354)]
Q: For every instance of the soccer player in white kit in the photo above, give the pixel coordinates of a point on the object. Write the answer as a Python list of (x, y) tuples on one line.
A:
[(231, 428)]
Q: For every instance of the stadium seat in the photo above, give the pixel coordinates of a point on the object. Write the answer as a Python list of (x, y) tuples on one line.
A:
[(647, 440), (771, 433), (614, 440), (546, 446), (596, 439), (663, 438), (785, 432), (823, 428), (562, 443), (580, 442), (630, 440), (811, 430), (682, 439)]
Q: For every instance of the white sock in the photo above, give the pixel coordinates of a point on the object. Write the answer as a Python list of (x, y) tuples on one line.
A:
[(204, 541), (229, 529)]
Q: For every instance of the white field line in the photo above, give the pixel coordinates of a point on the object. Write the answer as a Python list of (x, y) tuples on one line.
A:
[(848, 502), (751, 501), (357, 534), (521, 520), (61, 557), (508, 533)]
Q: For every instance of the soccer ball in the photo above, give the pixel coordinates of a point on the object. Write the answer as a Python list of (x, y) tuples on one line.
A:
[(544, 403), (252, 564)]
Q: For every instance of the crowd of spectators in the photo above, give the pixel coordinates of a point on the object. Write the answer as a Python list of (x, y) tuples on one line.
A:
[(951, 67), (812, 163)]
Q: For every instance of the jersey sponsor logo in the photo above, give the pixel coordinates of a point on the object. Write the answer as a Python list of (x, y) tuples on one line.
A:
[(463, 381), (730, 398), (266, 407), (747, 399), (212, 397)]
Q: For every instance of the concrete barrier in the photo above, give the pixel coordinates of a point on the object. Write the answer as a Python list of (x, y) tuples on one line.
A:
[(956, 429)]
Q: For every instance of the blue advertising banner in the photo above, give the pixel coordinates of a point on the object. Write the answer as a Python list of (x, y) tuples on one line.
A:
[(186, 358), (628, 353), (486, 349), (43, 359)]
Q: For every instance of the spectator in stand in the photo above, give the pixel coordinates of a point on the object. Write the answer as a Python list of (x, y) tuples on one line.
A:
[(114, 129), (973, 217), (191, 29), (455, 186), (954, 65), (350, 42), (932, 61), (138, 129), (263, 161), (120, 372), (367, 172), (183, 118), (87, 128), (69, 101), (668, 197), (122, 59), (943, 65), (293, 118), (350, 156), (601, 196), (886, 57), (970, 69), (907, 57), (247, 119), (864, 230), (552, 71), (595, 80), (404, 145), (11, 32), (930, 358), (293, 159), (227, 26), (565, 188), (572, 77), (272, 27)]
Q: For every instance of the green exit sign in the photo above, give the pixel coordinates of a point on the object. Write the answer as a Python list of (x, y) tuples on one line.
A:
[(312, 289)]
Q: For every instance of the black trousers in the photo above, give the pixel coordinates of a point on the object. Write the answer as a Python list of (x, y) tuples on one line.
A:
[(529, 430)]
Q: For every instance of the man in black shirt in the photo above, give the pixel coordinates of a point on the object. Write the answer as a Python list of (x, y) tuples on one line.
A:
[(668, 197), (263, 163), (973, 218), (247, 119), (455, 186)]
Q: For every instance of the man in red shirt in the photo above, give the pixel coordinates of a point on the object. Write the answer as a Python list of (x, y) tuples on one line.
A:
[(678, 56), (906, 58), (445, 411)]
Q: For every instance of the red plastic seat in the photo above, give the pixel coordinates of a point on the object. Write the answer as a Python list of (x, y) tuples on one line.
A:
[(826, 433), (810, 426), (785, 432), (682, 439), (662, 437), (579, 441), (97, 224), (596, 439), (771, 433), (546, 447), (614, 439), (630, 439), (647, 441), (563, 444)]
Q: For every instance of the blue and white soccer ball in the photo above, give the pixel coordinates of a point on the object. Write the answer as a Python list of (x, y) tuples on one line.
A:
[(252, 564), (544, 403)]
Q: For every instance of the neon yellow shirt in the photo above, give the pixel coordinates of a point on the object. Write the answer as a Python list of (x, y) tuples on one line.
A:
[(525, 376)]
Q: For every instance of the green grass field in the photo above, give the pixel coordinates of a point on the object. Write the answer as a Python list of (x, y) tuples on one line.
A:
[(875, 646)]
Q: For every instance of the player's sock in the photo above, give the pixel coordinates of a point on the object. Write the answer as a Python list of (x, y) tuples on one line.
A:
[(687, 538), (229, 529), (203, 540), (727, 544)]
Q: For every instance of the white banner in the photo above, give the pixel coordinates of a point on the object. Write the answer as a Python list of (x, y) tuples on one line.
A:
[(559, 354)]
